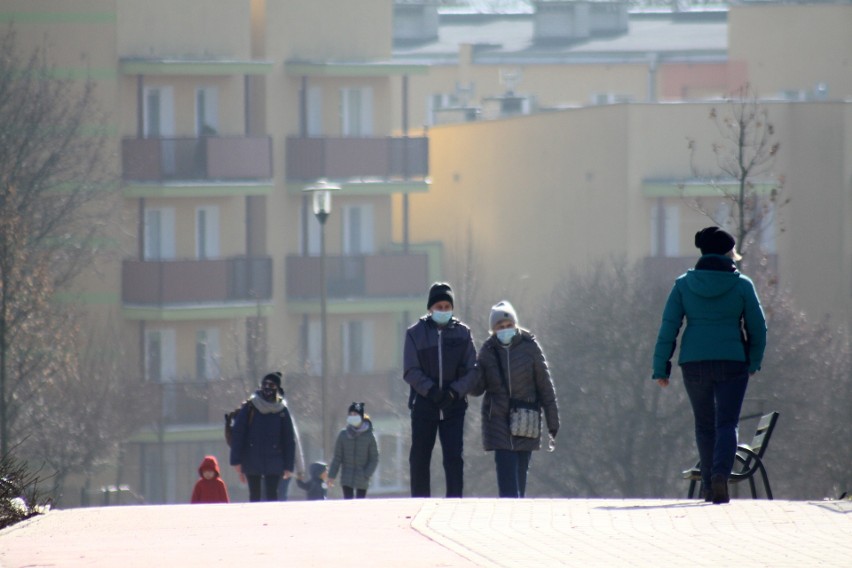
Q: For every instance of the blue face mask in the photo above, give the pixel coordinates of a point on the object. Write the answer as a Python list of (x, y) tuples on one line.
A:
[(505, 336), (441, 318)]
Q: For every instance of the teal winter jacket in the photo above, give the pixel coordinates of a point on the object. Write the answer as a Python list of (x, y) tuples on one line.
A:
[(714, 302)]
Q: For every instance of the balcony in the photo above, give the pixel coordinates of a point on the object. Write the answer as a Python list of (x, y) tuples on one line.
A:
[(177, 282), (208, 158), (360, 158), (359, 277)]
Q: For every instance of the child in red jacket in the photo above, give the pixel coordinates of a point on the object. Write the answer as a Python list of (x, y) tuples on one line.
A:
[(210, 488)]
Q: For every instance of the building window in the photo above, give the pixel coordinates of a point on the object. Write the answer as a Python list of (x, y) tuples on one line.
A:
[(159, 233), (160, 355), (206, 111), (356, 111), (358, 229), (207, 232), (357, 347), (665, 229), (207, 354)]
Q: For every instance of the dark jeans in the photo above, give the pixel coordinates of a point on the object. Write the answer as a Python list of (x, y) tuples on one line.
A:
[(512, 468), (423, 433), (270, 487), (349, 492), (716, 390), (284, 489)]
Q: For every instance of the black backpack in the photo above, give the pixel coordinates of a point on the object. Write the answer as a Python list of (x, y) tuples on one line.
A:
[(232, 415)]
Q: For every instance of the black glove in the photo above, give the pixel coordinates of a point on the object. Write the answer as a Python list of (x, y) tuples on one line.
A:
[(448, 399), (552, 433), (435, 395)]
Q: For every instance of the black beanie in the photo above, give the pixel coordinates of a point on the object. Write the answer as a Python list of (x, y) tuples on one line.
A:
[(439, 291), (356, 407), (713, 240), (275, 378)]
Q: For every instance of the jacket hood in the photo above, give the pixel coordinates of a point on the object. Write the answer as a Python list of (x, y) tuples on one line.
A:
[(710, 283), (209, 462), (316, 469)]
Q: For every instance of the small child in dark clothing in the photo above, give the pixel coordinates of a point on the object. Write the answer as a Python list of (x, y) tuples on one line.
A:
[(210, 488), (316, 486)]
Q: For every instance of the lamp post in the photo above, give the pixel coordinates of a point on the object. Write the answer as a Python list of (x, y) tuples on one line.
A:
[(321, 204)]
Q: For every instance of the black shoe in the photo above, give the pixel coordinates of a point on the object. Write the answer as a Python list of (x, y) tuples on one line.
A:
[(707, 495), (719, 489)]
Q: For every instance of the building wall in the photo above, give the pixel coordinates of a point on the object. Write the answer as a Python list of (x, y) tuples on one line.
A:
[(793, 47)]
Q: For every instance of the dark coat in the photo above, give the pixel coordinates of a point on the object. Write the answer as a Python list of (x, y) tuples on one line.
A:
[(425, 345), (315, 487), (264, 445), (528, 377), (356, 455)]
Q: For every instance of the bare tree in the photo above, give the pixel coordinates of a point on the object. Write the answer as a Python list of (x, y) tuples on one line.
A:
[(56, 199), (745, 155)]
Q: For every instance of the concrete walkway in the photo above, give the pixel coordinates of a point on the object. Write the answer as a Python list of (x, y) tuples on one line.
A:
[(439, 532)]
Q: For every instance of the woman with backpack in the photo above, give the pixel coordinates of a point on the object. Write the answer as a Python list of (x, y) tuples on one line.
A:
[(263, 440)]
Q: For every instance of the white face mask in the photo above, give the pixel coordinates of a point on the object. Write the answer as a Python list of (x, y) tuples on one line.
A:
[(354, 420)]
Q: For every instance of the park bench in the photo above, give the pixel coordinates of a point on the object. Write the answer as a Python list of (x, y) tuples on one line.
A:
[(748, 461)]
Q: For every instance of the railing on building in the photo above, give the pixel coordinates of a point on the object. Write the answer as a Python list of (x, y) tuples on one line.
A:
[(208, 158), (359, 276), (346, 158), (170, 282)]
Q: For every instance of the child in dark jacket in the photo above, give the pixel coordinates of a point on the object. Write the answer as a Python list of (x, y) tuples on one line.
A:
[(315, 486), (210, 488)]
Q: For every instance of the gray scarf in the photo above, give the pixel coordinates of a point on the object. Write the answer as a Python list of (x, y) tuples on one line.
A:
[(265, 407)]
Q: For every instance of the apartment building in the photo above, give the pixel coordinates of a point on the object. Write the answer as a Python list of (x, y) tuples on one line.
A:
[(222, 114)]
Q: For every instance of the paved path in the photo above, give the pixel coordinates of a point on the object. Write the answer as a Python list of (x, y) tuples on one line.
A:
[(439, 532)]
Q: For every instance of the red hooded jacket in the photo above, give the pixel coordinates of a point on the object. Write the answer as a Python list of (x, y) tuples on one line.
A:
[(210, 490)]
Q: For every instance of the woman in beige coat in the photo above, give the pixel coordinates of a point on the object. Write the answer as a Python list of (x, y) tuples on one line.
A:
[(512, 367)]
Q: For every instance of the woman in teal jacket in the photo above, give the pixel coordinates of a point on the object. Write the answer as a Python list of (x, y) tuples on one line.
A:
[(722, 347)]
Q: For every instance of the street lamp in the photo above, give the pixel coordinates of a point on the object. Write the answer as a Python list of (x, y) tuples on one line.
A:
[(321, 203)]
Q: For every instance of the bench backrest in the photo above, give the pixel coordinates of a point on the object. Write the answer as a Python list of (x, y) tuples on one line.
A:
[(764, 431)]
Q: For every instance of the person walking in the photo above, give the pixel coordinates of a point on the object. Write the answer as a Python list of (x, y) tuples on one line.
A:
[(439, 365), (513, 373), (356, 454), (722, 346), (316, 486), (263, 442)]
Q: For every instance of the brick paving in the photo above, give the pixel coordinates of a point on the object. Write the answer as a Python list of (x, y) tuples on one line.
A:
[(440, 532)]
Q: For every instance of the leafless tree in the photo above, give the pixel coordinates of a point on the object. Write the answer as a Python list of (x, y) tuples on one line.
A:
[(56, 200), (743, 176)]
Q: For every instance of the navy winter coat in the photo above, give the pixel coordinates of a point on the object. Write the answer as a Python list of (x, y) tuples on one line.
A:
[(263, 444)]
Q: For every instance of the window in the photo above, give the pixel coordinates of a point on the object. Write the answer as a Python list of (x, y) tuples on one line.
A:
[(313, 363), (207, 355), (357, 347), (313, 233), (160, 355), (159, 233), (665, 229), (159, 122), (207, 232), (206, 111), (358, 229), (315, 127), (356, 111)]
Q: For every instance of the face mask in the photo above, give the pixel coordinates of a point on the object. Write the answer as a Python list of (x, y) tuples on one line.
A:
[(269, 393), (505, 336), (441, 318), (353, 421)]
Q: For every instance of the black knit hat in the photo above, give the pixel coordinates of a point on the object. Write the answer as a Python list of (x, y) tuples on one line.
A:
[(356, 407), (440, 291), (274, 378), (713, 240)]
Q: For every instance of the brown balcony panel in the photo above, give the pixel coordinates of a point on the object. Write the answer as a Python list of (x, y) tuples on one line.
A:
[(194, 159), (196, 281), (370, 276), (345, 158)]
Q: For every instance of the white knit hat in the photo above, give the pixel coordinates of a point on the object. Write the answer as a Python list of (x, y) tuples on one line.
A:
[(502, 311)]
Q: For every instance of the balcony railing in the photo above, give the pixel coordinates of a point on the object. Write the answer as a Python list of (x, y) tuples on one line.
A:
[(208, 158), (363, 276), (170, 282), (358, 158)]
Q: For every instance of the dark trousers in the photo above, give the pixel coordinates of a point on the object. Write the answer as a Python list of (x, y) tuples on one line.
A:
[(512, 468), (716, 390), (284, 488), (270, 487), (423, 433), (350, 493)]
